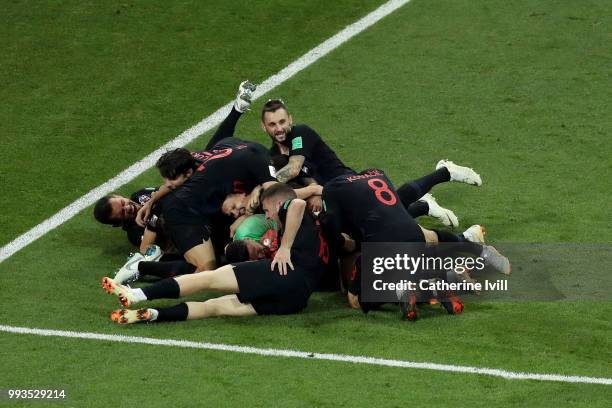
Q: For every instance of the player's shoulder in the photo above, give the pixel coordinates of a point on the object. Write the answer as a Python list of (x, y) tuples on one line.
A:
[(282, 210), (226, 142), (302, 130), (257, 148), (364, 176)]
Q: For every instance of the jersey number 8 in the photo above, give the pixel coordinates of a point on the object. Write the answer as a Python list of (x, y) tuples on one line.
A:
[(382, 191)]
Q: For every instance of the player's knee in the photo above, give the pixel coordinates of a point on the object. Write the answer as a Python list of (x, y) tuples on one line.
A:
[(201, 262), (202, 257), (205, 265)]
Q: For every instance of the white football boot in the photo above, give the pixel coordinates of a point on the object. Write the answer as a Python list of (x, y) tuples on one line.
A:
[(460, 173), (475, 234), (496, 260), (129, 271), (126, 316), (244, 96), (444, 215), (124, 293)]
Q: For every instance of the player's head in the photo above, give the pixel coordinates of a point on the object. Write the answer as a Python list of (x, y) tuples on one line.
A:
[(244, 250), (273, 197), (115, 210), (175, 167), (235, 204), (276, 120)]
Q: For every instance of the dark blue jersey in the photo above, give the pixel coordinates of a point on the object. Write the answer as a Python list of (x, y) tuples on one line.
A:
[(321, 162)]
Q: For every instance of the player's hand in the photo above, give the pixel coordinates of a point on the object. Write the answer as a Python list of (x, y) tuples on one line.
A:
[(282, 259), (253, 204), (143, 215), (315, 203)]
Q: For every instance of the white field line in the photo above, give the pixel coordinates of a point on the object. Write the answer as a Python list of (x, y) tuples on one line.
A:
[(198, 129), (509, 375)]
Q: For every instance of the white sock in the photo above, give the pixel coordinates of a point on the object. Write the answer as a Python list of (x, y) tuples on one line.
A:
[(139, 295)]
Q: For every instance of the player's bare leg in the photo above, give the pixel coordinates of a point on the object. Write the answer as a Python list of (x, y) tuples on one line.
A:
[(202, 256), (227, 305), (221, 279)]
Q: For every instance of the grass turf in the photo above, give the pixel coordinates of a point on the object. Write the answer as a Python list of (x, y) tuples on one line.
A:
[(90, 88), (113, 374), (516, 89)]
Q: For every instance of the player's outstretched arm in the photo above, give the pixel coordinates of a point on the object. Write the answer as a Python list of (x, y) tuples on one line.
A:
[(291, 170), (311, 193), (293, 220), (306, 192)]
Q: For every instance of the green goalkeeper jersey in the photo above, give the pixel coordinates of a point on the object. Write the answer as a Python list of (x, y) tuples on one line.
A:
[(254, 227)]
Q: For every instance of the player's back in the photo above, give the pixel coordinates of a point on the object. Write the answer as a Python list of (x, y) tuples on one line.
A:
[(232, 166), (369, 208), (307, 249)]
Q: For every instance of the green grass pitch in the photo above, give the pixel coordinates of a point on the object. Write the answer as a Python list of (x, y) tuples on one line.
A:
[(519, 90)]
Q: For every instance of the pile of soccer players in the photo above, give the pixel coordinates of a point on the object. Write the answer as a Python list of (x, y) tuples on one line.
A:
[(268, 226)]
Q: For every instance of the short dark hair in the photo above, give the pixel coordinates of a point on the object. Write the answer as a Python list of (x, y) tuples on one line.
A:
[(237, 251), (175, 162), (103, 211), (278, 190), (272, 106)]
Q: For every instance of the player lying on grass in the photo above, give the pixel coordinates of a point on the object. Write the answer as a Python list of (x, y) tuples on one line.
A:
[(120, 211), (256, 238), (248, 245), (225, 178), (279, 286), (135, 214), (227, 181), (365, 206), (179, 165)]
